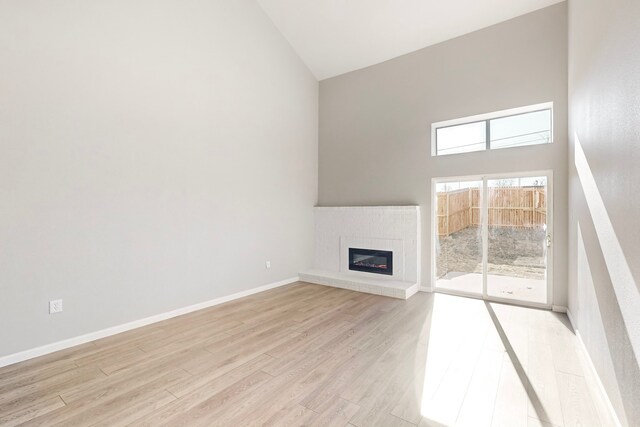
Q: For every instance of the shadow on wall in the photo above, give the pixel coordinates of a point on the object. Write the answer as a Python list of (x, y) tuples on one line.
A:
[(615, 293)]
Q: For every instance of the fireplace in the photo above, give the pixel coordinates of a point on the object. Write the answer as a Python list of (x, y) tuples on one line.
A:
[(371, 261)]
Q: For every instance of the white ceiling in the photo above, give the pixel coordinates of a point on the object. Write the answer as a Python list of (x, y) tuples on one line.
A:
[(337, 36)]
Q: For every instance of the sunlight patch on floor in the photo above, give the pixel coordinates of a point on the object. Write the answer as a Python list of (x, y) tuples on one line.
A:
[(492, 364)]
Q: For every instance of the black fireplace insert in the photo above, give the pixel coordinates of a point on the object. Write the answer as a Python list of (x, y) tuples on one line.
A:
[(371, 261)]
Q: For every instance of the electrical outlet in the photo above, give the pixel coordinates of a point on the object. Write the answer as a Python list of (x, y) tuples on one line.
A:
[(55, 306), (267, 265)]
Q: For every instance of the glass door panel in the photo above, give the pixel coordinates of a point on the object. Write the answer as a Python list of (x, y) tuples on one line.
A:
[(459, 242), (517, 239)]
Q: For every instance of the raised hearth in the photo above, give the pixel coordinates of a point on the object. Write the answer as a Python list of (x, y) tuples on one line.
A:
[(388, 288)]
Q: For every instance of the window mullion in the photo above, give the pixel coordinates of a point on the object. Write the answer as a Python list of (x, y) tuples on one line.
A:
[(488, 134)]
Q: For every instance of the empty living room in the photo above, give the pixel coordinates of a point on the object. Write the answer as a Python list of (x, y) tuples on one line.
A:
[(320, 213)]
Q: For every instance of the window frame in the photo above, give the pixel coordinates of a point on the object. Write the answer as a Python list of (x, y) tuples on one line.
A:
[(487, 118)]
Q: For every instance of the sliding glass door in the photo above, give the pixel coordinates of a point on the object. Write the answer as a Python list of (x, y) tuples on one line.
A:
[(459, 242), (517, 239), (492, 237)]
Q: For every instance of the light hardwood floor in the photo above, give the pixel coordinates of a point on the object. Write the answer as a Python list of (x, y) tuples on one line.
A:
[(311, 355)]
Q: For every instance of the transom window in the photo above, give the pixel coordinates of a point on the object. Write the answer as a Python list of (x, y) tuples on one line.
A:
[(517, 127)]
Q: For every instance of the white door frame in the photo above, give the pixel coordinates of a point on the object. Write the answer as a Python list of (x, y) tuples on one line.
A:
[(485, 235)]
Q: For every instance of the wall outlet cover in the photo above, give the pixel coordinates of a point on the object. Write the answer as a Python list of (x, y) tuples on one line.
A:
[(55, 306)]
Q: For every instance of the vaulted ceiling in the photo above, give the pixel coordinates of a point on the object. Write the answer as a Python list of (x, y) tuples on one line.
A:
[(337, 36)]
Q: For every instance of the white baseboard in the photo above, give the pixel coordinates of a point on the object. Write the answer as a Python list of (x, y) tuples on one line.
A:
[(596, 377), (413, 290), (593, 371), (559, 308), (574, 325), (425, 289), (92, 336)]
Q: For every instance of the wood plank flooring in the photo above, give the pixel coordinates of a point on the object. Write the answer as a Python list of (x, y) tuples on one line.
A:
[(311, 355)]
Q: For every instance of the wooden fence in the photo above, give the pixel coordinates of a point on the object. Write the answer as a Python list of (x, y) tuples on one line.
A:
[(518, 207)]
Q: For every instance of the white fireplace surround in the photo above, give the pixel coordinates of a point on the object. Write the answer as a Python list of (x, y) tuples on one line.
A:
[(389, 228)]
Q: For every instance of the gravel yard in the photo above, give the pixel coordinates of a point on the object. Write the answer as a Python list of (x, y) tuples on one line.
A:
[(513, 252)]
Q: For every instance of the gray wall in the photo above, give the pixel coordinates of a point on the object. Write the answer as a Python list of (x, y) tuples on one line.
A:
[(604, 178), (153, 155), (375, 146)]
